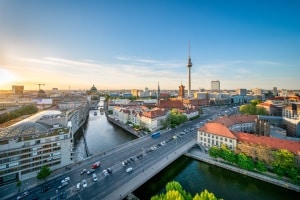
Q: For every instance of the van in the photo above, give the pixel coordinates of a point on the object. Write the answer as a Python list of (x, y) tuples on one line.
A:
[(78, 186)]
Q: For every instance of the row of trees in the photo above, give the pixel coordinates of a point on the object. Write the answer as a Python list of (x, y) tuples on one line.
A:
[(175, 191), (25, 110), (284, 163), (253, 109)]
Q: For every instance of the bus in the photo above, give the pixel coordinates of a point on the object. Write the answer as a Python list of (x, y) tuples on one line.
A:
[(155, 135)]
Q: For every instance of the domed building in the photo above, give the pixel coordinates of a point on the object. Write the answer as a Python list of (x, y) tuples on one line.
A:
[(93, 90)]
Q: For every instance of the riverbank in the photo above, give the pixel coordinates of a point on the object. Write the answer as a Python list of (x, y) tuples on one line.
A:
[(197, 154)]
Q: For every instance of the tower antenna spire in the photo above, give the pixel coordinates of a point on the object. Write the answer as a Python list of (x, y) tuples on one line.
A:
[(189, 65)]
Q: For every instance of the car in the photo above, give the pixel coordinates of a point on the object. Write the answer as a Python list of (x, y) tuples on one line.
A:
[(23, 195), (105, 172), (84, 183), (65, 179), (90, 171), (109, 170), (78, 186), (129, 169), (45, 189), (64, 184), (95, 177), (83, 171)]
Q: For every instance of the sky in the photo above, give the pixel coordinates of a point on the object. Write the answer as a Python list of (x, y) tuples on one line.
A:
[(134, 44)]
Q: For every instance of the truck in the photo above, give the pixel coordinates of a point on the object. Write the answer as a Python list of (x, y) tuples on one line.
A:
[(95, 165)]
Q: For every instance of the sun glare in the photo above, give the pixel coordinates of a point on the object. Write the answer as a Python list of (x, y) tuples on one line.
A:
[(6, 77)]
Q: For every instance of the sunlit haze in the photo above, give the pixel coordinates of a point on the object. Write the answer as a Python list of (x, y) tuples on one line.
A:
[(129, 44)]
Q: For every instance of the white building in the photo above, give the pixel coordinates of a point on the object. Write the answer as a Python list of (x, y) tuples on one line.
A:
[(27, 146), (216, 134), (215, 86)]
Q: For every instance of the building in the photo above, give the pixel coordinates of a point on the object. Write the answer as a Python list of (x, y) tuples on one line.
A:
[(242, 92), (215, 86), (26, 147), (18, 89), (216, 134), (291, 119), (181, 92)]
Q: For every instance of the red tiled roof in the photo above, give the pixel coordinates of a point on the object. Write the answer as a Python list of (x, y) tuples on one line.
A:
[(239, 119), (217, 129), (154, 113), (171, 104), (271, 142)]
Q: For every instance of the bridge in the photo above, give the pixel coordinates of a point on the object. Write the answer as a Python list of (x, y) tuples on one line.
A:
[(146, 156)]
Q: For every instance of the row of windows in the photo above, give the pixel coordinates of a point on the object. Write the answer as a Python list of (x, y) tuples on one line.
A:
[(38, 168), (216, 137), (210, 145), (18, 152), (29, 165)]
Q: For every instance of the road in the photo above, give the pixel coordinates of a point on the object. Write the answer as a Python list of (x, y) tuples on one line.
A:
[(142, 158)]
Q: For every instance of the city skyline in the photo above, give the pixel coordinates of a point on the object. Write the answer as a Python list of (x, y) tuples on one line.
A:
[(136, 44)]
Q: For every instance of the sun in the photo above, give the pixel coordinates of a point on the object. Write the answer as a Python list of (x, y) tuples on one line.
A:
[(6, 77)]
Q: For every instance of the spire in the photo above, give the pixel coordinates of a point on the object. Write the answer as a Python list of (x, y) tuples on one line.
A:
[(158, 93), (189, 57)]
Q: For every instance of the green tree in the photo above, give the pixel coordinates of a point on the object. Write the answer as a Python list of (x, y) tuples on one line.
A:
[(18, 185), (253, 109), (174, 191), (227, 154), (214, 151), (283, 162), (205, 195), (261, 166), (44, 173), (245, 162)]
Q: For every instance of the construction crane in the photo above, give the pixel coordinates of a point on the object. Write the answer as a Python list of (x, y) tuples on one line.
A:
[(40, 85)]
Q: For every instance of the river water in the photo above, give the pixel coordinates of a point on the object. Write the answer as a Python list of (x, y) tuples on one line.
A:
[(194, 176)]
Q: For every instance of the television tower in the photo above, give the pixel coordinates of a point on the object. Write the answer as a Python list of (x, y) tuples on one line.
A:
[(189, 65)]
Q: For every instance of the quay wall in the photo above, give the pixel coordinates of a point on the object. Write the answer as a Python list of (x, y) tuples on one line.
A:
[(198, 155)]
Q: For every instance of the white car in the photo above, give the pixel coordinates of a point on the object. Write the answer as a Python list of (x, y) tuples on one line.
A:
[(105, 172), (95, 177), (84, 183), (65, 180), (129, 169)]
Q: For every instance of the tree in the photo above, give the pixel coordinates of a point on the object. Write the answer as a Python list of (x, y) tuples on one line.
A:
[(214, 151), (44, 173), (245, 162), (283, 162), (18, 185), (261, 166), (174, 191), (205, 195)]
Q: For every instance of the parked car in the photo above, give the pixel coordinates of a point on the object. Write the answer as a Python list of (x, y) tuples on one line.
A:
[(83, 171), (109, 170), (95, 177), (129, 169), (90, 171), (78, 186), (105, 172), (84, 183)]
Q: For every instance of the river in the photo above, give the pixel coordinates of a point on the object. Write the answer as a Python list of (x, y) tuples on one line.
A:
[(193, 175)]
